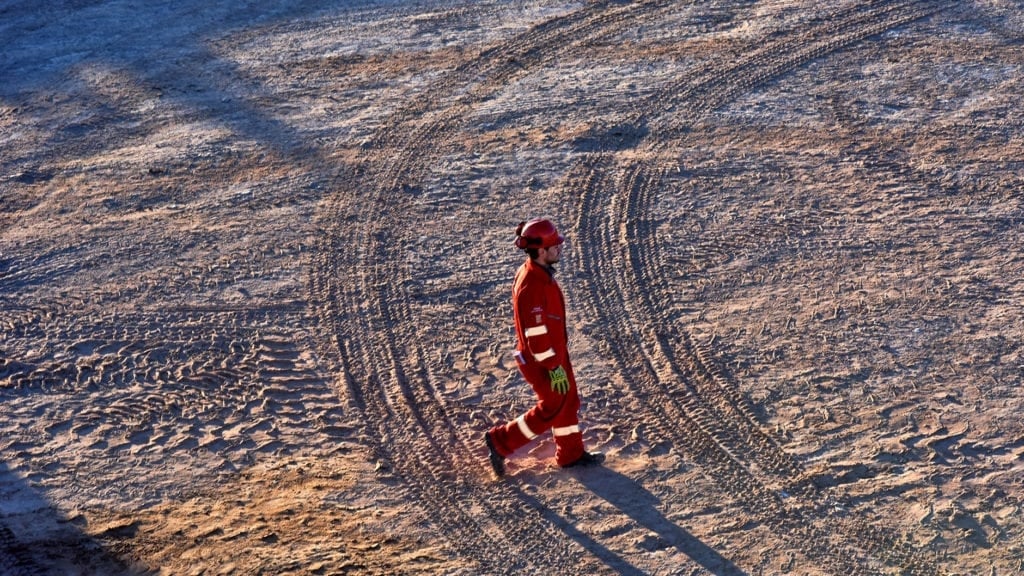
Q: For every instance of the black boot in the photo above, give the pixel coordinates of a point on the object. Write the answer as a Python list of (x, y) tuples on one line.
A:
[(587, 459), (497, 460)]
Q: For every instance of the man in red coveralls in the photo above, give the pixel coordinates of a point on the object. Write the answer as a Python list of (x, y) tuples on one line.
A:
[(542, 355)]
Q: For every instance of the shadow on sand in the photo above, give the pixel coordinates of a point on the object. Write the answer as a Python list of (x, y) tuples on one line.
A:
[(37, 540), (633, 500)]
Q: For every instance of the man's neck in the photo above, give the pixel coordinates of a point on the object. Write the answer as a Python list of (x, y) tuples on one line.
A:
[(548, 267)]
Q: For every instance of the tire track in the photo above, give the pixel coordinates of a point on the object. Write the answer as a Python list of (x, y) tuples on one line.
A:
[(121, 380), (720, 429), (775, 58), (697, 409), (399, 386), (362, 296), (645, 257)]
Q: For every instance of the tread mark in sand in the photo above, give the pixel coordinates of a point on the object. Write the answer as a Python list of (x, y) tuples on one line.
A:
[(372, 332), (371, 335), (696, 405)]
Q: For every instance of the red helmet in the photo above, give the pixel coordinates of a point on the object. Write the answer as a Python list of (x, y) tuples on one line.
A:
[(537, 233)]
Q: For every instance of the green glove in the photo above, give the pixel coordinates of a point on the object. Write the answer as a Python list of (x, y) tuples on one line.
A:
[(559, 380)]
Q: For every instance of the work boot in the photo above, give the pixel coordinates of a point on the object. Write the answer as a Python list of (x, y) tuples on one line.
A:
[(497, 460), (587, 459)]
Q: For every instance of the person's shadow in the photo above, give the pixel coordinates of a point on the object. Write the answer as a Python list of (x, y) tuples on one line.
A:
[(637, 503)]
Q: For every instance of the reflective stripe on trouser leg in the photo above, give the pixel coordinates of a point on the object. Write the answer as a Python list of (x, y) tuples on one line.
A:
[(521, 423), (568, 443), (566, 430)]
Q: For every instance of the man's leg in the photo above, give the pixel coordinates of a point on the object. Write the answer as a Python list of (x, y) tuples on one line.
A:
[(565, 425), (509, 437), (566, 430)]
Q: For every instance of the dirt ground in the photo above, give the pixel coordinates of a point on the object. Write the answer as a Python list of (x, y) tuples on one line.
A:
[(255, 266)]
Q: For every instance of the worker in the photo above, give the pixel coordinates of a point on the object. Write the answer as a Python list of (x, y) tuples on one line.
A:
[(542, 356)]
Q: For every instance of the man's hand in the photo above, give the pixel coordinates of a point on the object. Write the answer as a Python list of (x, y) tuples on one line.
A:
[(559, 380)]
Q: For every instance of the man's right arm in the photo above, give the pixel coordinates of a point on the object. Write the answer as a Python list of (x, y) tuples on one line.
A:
[(533, 317)]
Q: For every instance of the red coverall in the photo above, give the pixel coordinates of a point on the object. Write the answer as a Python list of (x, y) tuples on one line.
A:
[(542, 345)]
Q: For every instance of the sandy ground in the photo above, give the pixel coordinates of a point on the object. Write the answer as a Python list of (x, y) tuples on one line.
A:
[(255, 264)]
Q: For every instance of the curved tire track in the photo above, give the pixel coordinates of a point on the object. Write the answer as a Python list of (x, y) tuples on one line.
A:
[(360, 290), (690, 399)]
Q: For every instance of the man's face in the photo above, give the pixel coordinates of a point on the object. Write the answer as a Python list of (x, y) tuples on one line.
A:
[(548, 256)]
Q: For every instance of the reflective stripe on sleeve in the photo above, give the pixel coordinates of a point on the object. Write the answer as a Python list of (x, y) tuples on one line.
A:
[(521, 423), (536, 331), (544, 355), (565, 431)]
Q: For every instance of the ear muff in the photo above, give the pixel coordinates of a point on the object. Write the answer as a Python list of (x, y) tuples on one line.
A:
[(525, 242)]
